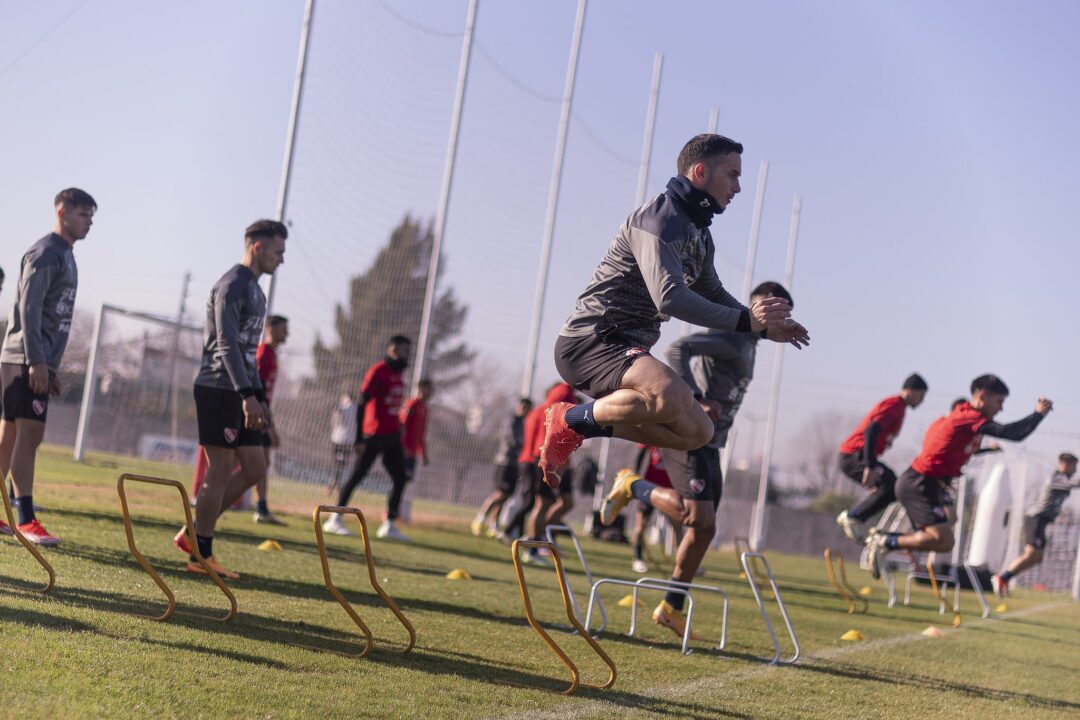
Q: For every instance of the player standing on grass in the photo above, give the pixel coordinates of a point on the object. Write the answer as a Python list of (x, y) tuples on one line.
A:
[(659, 266), (1054, 494), (859, 456), (230, 401), (33, 346), (925, 488), (378, 433), (718, 384), (277, 331)]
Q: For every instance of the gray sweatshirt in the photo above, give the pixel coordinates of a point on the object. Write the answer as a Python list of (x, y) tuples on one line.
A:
[(658, 266), (234, 324), (723, 372), (40, 319), (1053, 496)]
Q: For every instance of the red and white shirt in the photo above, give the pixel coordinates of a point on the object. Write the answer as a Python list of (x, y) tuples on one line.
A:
[(889, 416), (413, 419), (950, 442), (383, 387), (266, 361)]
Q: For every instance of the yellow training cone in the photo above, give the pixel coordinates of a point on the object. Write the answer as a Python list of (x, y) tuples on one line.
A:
[(866, 590), (934, 632), (852, 635), (269, 545), (458, 574), (628, 600), (1001, 608)]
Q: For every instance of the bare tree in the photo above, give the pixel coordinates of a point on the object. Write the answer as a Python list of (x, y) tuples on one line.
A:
[(817, 457)]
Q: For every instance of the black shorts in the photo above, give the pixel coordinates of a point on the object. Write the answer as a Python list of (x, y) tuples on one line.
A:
[(695, 475), (1034, 532), (220, 414), (566, 485), (593, 365), (506, 478), (924, 498), (17, 401), (853, 464)]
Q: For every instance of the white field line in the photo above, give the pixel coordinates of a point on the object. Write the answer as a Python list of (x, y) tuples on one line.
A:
[(588, 707)]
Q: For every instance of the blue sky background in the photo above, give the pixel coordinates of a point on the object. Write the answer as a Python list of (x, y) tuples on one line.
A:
[(934, 145)]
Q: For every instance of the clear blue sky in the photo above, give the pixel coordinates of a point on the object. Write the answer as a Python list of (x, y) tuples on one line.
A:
[(934, 145)]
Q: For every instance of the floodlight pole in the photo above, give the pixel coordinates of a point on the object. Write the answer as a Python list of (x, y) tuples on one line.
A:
[(757, 521), (755, 231), (444, 198), (290, 136), (553, 204), (87, 405)]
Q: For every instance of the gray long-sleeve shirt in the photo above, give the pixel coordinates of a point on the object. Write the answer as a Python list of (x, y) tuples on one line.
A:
[(1053, 496), (234, 322), (658, 266), (40, 319), (722, 373)]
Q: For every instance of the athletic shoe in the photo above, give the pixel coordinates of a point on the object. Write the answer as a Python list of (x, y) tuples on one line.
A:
[(35, 533), (536, 559), (180, 541), (503, 538), (875, 552), (334, 525), (197, 569), (639, 566), (491, 532), (559, 443), (1001, 587), (671, 618), (618, 497), (266, 518), (854, 529), (389, 531), (476, 527), (5, 529)]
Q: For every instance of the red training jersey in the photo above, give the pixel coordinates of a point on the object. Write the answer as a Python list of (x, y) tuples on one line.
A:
[(384, 389), (534, 422), (950, 442), (266, 361), (889, 415), (413, 419), (656, 473)]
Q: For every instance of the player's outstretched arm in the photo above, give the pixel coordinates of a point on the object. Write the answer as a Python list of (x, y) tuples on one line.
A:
[(1019, 430)]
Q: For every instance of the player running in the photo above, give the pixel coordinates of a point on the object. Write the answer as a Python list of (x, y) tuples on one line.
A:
[(925, 488), (1054, 494), (860, 452), (659, 266), (506, 471)]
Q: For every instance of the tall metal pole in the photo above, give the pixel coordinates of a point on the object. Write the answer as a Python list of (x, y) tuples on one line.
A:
[(290, 137), (174, 384), (444, 197), (639, 199), (757, 523), (714, 120), (87, 406), (755, 230), (553, 204)]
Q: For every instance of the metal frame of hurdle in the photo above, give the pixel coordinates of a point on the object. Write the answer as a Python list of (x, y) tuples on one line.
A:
[(51, 582)]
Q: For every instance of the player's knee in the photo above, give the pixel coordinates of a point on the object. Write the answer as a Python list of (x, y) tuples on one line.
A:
[(943, 539)]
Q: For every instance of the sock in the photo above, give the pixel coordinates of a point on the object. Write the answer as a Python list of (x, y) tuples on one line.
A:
[(639, 552), (674, 599), (580, 419), (206, 545), (261, 508), (892, 541), (1005, 576), (642, 489), (11, 491), (25, 506)]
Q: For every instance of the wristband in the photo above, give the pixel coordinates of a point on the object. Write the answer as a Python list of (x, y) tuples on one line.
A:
[(246, 392)]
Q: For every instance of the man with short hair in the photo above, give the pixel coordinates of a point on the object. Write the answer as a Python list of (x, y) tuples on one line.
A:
[(925, 488), (1054, 494), (718, 384), (860, 451), (378, 433), (506, 471), (276, 332), (230, 400), (659, 266), (37, 334)]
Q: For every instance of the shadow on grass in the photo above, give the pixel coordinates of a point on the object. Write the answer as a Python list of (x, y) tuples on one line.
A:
[(926, 682)]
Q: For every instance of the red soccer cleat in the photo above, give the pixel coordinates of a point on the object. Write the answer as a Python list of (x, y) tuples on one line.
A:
[(559, 443), (181, 541), (37, 534)]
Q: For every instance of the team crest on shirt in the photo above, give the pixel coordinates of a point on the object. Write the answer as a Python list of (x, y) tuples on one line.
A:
[(696, 486), (38, 406), (635, 352), (230, 435)]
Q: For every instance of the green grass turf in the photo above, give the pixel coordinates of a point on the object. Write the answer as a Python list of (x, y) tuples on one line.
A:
[(79, 653)]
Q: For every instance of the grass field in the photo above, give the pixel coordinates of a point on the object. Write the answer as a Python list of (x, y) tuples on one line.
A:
[(79, 652)]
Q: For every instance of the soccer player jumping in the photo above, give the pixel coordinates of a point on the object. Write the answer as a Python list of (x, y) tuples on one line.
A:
[(659, 266), (925, 488)]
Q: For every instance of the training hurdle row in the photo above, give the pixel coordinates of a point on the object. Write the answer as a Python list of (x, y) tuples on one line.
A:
[(231, 614)]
